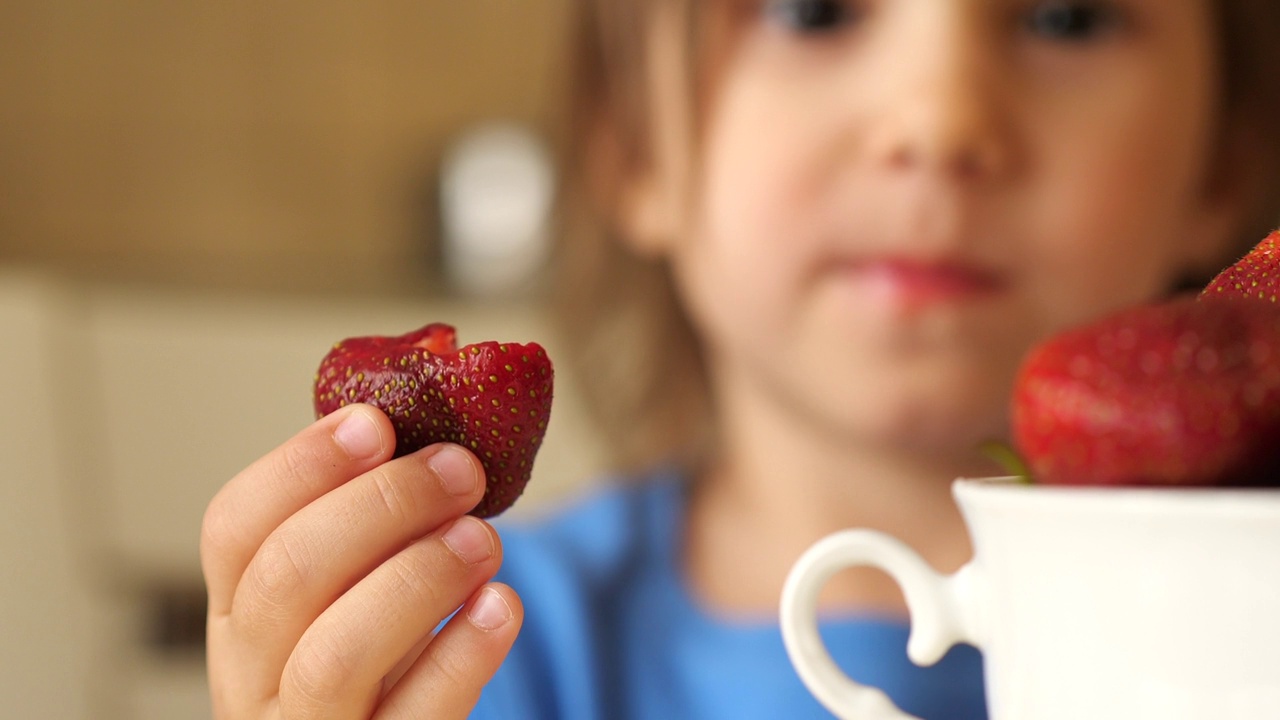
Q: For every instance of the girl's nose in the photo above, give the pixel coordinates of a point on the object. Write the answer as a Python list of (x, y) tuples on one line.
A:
[(944, 112)]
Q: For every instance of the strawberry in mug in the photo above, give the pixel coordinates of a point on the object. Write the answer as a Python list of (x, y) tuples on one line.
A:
[(1182, 393)]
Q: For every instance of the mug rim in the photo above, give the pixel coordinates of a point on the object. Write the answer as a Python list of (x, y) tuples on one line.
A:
[(1011, 490)]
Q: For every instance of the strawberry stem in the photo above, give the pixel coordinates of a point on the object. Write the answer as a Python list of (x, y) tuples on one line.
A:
[(1008, 458)]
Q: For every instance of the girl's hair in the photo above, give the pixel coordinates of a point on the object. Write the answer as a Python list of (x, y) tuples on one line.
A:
[(628, 341), (1250, 143)]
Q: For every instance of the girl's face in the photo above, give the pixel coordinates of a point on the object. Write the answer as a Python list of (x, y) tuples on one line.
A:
[(895, 199)]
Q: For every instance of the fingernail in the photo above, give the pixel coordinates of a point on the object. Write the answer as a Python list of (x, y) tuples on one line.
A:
[(358, 436), (490, 610), (469, 540), (456, 472)]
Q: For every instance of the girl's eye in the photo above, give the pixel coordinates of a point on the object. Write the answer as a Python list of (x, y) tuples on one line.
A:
[(811, 16), (1069, 21)]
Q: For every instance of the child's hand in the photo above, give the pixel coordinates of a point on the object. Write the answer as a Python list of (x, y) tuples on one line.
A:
[(328, 569)]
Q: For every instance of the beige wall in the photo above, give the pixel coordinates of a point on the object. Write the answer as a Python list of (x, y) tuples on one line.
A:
[(195, 150), (283, 144)]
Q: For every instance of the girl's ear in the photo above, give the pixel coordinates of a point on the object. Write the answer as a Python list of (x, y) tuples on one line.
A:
[(630, 191), (654, 202), (649, 216)]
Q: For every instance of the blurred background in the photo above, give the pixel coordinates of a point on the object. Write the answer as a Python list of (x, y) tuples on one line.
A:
[(196, 200)]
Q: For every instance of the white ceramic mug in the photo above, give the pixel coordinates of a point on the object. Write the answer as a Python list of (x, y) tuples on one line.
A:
[(1087, 604)]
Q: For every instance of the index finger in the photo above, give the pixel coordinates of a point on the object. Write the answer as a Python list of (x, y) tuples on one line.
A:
[(256, 501)]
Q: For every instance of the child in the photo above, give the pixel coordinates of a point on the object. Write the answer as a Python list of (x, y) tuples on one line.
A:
[(811, 241)]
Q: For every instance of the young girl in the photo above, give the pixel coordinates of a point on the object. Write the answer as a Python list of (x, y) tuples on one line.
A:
[(809, 242)]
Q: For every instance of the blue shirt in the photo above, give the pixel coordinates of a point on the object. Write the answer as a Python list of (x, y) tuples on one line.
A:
[(612, 633)]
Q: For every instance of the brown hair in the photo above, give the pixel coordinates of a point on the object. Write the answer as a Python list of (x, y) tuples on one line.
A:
[(629, 342), (1248, 31)]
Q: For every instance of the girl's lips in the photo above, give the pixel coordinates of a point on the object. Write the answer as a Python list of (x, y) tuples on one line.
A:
[(914, 283)]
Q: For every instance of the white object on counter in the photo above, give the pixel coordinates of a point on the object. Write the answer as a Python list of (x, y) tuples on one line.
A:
[(497, 186)]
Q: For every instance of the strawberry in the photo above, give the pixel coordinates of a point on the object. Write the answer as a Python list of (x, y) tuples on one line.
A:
[(493, 398), (1177, 393), (1256, 275)]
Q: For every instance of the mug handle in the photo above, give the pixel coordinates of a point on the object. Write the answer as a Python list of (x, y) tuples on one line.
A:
[(940, 605)]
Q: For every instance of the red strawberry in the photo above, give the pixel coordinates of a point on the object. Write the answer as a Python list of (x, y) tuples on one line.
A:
[(1177, 393), (1256, 275), (494, 398)]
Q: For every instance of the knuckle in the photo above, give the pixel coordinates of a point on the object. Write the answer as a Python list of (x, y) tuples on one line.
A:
[(316, 674), (415, 571), (279, 571), (217, 531), (294, 459), (451, 664), (390, 497)]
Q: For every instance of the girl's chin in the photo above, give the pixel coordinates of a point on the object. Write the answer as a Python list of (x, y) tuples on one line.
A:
[(934, 430)]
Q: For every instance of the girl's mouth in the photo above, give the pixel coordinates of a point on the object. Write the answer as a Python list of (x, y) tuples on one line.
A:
[(910, 283)]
